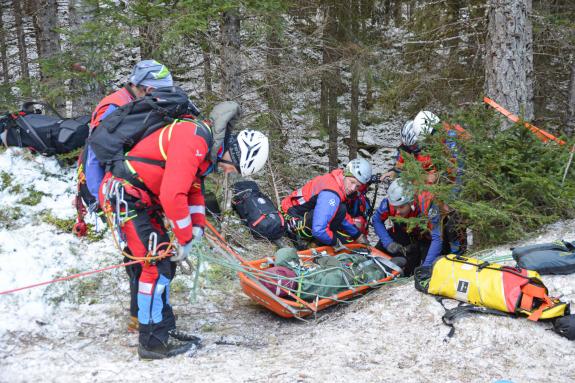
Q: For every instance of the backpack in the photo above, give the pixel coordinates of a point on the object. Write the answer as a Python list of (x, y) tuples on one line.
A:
[(44, 134), (499, 288), (124, 127), (546, 258), (257, 211)]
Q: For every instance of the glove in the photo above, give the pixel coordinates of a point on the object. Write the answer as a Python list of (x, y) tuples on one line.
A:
[(339, 246), (185, 250), (375, 179), (362, 239), (396, 248)]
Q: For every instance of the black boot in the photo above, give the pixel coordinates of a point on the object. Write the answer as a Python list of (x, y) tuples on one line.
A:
[(184, 336), (165, 350)]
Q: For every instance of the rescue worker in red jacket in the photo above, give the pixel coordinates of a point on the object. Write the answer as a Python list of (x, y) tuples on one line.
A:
[(418, 245), (147, 75), (317, 210), (161, 176), (413, 132)]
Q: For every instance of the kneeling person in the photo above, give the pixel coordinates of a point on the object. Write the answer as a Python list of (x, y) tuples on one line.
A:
[(317, 210), (419, 245)]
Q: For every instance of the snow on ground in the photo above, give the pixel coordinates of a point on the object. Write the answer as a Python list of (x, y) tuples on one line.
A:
[(76, 331)]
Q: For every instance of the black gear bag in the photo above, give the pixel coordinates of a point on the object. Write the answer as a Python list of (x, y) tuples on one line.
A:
[(257, 211), (130, 123), (42, 133)]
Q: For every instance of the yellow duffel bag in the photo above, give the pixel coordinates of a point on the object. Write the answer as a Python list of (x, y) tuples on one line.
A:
[(503, 288)]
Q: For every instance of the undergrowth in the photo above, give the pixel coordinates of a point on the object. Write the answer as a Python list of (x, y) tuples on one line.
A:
[(510, 182)]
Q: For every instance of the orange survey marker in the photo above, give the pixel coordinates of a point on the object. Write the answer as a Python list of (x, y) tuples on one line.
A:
[(540, 133)]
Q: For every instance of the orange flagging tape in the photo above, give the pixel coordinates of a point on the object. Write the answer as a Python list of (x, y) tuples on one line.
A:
[(540, 133)]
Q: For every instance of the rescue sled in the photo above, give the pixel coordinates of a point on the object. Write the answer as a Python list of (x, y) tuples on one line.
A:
[(294, 307)]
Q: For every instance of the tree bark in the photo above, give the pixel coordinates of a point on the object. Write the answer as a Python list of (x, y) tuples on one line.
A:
[(207, 66), (21, 42), (273, 83), (3, 48), (509, 56), (354, 123), (570, 117), (230, 55), (45, 20), (85, 92)]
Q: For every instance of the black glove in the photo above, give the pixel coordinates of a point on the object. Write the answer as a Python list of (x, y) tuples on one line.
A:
[(375, 179)]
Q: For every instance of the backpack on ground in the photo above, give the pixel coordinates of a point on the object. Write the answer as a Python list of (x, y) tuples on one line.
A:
[(496, 287), (130, 123), (257, 211), (44, 134), (547, 258)]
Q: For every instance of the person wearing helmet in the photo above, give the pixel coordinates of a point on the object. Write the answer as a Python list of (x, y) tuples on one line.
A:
[(161, 177), (317, 210), (414, 244), (412, 133), (147, 75)]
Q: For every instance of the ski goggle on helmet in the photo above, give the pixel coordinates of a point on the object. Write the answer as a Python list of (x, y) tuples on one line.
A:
[(360, 169), (249, 151), (420, 126)]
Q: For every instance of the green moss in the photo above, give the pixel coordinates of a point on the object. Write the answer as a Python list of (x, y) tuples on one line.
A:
[(16, 189), (5, 180), (33, 198), (9, 216), (63, 224)]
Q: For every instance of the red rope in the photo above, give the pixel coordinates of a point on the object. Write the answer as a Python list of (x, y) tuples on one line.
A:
[(70, 277)]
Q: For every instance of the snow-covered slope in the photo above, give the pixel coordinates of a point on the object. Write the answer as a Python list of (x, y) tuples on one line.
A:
[(76, 331)]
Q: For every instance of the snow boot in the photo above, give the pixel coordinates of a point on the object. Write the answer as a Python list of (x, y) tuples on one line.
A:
[(166, 350)]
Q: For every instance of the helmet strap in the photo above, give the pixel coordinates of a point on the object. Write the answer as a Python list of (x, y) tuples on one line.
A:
[(229, 163)]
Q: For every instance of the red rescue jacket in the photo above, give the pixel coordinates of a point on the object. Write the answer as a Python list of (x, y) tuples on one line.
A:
[(331, 181), (185, 149), (421, 205), (120, 97)]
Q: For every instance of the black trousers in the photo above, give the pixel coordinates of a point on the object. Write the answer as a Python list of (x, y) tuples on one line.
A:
[(417, 243)]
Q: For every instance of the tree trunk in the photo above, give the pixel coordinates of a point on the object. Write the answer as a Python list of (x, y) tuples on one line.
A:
[(45, 21), (230, 55), (354, 123), (273, 82), (207, 66), (332, 81), (570, 117), (86, 92), (21, 42), (3, 48), (509, 56)]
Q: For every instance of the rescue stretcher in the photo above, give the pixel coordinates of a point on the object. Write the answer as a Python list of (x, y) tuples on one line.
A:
[(294, 307)]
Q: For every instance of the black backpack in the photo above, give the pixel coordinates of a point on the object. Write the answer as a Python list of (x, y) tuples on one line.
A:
[(44, 134), (257, 211), (130, 123)]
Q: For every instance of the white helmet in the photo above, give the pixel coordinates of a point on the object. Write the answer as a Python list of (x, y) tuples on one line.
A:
[(360, 169), (398, 194), (422, 124), (249, 151)]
